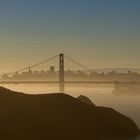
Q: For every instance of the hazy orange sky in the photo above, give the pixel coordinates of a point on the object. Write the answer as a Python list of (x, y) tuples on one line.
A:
[(96, 33)]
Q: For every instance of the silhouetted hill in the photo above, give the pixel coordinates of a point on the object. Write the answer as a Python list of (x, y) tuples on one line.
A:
[(58, 117), (85, 99)]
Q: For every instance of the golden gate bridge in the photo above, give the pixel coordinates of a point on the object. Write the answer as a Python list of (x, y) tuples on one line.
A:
[(59, 69)]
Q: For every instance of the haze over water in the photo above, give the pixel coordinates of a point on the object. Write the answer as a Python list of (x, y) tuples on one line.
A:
[(101, 95)]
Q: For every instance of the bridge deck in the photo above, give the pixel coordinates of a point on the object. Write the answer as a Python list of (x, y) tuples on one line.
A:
[(67, 82)]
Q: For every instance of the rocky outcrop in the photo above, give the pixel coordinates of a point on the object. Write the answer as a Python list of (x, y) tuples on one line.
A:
[(85, 99)]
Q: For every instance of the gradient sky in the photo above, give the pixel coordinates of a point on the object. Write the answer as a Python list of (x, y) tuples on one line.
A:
[(98, 33)]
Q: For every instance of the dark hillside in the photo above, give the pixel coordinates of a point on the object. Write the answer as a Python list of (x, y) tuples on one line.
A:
[(58, 117)]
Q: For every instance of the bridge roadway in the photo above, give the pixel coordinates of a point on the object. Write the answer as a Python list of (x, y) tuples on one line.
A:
[(67, 82)]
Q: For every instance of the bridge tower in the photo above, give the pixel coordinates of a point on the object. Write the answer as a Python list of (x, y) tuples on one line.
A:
[(61, 73)]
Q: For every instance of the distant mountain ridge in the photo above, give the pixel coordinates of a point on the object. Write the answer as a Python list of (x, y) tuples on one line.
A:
[(120, 70)]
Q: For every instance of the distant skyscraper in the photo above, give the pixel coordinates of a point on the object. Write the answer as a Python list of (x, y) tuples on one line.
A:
[(52, 69)]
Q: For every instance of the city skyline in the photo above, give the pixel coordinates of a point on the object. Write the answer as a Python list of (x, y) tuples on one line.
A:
[(97, 33)]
